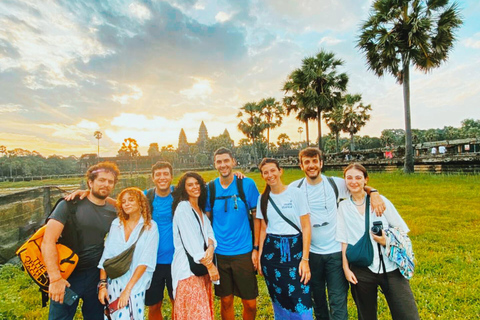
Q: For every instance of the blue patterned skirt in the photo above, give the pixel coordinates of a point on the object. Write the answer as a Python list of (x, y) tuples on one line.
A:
[(280, 259)]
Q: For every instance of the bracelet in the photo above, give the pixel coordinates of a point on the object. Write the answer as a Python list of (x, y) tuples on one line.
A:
[(256, 248), (306, 259), (58, 279)]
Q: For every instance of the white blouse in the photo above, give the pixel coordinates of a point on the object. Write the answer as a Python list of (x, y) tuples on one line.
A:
[(145, 251), (186, 225)]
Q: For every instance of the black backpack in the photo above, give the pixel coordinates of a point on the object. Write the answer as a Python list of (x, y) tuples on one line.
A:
[(332, 183), (241, 195)]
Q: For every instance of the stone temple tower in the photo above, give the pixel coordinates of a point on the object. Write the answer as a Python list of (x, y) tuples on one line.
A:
[(202, 136), (182, 142)]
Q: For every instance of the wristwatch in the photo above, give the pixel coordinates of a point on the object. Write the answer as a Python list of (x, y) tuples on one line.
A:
[(255, 248)]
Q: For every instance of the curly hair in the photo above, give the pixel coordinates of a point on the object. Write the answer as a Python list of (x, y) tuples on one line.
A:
[(180, 193), (106, 166), (142, 202)]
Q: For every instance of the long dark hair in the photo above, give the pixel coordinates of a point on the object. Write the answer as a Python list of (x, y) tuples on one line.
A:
[(266, 191), (180, 193)]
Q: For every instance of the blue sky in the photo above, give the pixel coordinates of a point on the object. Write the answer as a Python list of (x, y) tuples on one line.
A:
[(146, 69)]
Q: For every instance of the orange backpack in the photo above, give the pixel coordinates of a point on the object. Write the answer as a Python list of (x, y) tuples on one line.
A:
[(30, 255)]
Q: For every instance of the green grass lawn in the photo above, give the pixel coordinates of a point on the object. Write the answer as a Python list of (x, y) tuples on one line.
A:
[(442, 211)]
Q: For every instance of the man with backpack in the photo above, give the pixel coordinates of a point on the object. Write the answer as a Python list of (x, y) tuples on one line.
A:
[(323, 195), (231, 205), (160, 200), (85, 228)]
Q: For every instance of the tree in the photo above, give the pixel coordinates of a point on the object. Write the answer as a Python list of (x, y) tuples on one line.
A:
[(98, 136), (129, 148), (400, 33), (334, 120), (252, 126), (272, 113), (320, 84), (355, 116), (470, 128)]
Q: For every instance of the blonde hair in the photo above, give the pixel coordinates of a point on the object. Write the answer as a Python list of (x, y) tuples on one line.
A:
[(142, 202)]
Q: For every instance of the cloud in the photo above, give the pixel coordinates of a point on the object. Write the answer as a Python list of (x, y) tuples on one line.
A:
[(127, 98), (140, 11), (330, 41), (222, 17), (200, 90), (473, 42), (77, 132), (10, 108)]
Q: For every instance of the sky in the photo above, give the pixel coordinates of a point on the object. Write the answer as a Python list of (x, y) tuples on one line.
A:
[(146, 69)]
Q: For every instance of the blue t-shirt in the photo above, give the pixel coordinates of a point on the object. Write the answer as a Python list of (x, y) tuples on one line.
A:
[(230, 225), (162, 215)]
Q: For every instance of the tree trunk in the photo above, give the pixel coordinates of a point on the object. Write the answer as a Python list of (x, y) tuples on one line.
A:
[(352, 144), (307, 135), (408, 164), (337, 137), (319, 119), (268, 140)]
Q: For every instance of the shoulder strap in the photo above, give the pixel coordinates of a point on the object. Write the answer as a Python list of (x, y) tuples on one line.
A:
[(334, 186), (283, 217), (241, 193), (211, 189), (151, 198), (300, 183), (199, 224), (367, 215)]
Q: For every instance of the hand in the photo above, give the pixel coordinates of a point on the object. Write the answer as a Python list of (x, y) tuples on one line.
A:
[(259, 266), (103, 295), (124, 297), (378, 205), (255, 259), (239, 175), (382, 240), (213, 272), (350, 276), (77, 193), (304, 271), (56, 290)]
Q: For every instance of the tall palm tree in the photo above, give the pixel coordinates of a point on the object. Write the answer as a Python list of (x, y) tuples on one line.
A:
[(272, 113), (252, 126), (400, 33), (321, 84), (355, 116), (334, 120), (98, 135)]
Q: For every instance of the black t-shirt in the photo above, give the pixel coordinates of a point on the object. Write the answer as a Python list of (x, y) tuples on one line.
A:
[(93, 223)]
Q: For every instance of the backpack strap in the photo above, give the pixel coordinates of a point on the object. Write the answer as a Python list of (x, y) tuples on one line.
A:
[(283, 217), (241, 193), (334, 186), (150, 197), (300, 183), (211, 189)]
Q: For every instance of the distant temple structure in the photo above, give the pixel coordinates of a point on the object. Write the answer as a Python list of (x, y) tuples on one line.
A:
[(200, 145)]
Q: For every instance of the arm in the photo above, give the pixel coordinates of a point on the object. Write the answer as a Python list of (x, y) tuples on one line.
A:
[(304, 267), (376, 200), (125, 295), (256, 236), (56, 289), (81, 194), (261, 240), (102, 288), (349, 275)]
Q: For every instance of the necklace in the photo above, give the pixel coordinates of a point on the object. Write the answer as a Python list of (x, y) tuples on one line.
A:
[(358, 205)]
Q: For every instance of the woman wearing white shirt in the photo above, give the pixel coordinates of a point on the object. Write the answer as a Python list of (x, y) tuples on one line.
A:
[(192, 232), (284, 245), (365, 280), (133, 216)]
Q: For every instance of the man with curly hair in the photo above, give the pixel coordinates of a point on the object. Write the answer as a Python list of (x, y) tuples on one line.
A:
[(85, 224)]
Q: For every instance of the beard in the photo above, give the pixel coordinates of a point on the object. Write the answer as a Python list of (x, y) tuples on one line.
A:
[(313, 176), (98, 195)]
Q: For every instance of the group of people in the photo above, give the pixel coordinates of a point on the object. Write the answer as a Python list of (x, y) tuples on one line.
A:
[(187, 237)]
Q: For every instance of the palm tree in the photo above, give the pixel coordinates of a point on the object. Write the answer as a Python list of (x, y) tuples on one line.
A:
[(320, 83), (334, 120), (98, 135), (408, 32), (355, 116), (252, 126), (272, 112)]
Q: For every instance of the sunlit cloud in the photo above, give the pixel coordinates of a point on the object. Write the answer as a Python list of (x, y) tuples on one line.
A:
[(473, 42), (329, 41), (10, 107), (222, 17), (77, 132), (136, 94), (140, 11), (200, 90)]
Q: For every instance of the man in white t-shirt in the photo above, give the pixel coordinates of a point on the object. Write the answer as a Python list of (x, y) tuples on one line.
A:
[(325, 251)]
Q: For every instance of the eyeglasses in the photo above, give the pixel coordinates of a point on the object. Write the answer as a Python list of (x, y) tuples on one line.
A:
[(320, 225)]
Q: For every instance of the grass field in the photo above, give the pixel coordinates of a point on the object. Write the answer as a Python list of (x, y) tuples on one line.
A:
[(443, 213)]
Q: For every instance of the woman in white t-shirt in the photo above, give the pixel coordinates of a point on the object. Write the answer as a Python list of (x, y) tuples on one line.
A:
[(284, 244), (365, 280)]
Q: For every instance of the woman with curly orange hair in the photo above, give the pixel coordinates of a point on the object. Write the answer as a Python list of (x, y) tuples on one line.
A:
[(134, 224)]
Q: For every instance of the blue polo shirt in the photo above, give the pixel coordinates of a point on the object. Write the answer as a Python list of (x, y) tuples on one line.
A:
[(230, 220), (162, 215)]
